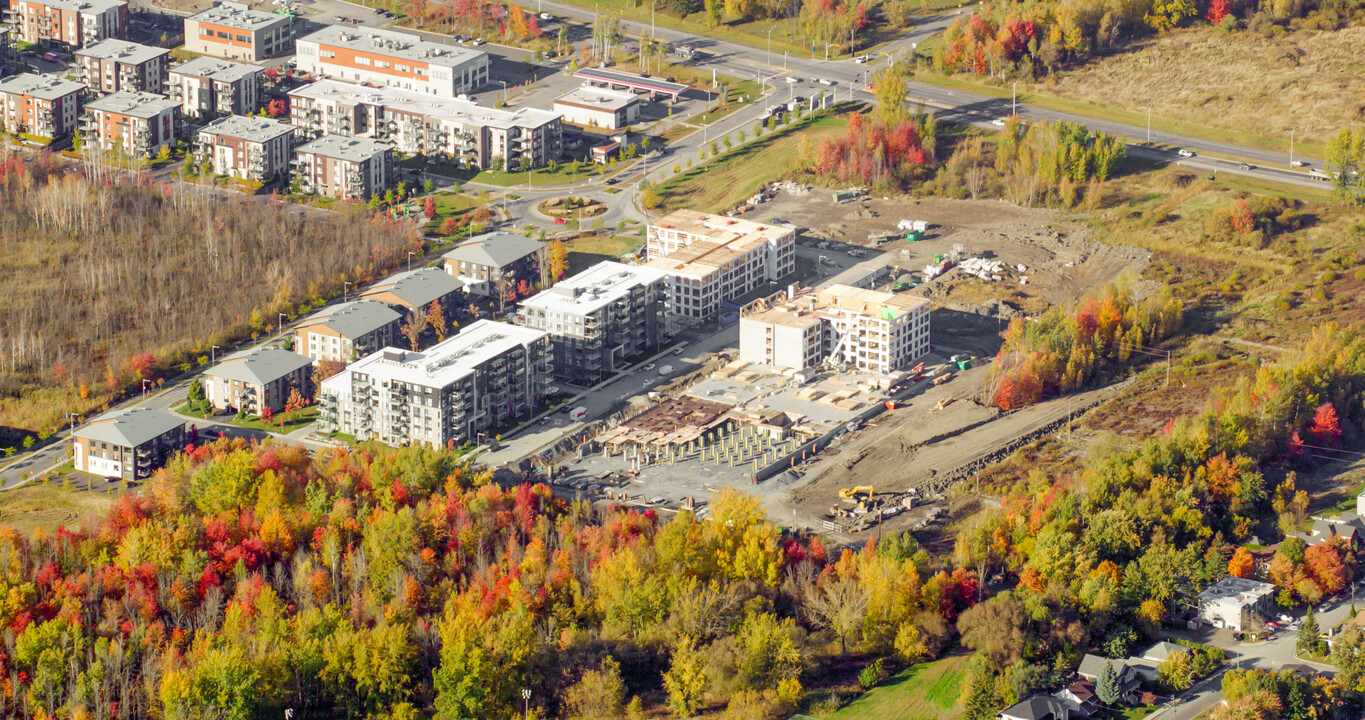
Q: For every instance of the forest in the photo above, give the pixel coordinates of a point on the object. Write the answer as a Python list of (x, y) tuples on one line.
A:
[(115, 280)]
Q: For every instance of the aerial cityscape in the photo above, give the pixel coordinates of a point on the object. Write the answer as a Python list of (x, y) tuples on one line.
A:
[(646, 359)]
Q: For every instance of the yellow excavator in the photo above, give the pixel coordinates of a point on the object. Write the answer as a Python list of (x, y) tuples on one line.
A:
[(861, 492)]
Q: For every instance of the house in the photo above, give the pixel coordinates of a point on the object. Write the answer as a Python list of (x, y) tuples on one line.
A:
[(1162, 650), (483, 261), (1349, 527), (1128, 678), (68, 24), (1235, 602), (346, 332), (248, 148), (344, 167), (417, 289), (599, 107), (397, 59), (602, 154), (233, 30), (254, 379), (138, 123), (1037, 707), (208, 87), (129, 443), (112, 65), (1080, 698), (42, 106)]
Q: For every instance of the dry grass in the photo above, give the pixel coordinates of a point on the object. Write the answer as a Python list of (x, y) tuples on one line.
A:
[(51, 506), (1239, 81)]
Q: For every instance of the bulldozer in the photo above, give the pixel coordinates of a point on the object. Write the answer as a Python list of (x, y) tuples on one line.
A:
[(861, 492)]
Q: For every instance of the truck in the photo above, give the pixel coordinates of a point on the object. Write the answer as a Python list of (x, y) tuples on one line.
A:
[(578, 413)]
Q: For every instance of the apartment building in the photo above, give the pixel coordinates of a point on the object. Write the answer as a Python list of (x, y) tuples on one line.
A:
[(872, 331), (68, 24), (248, 148), (233, 30), (395, 59), (138, 123), (416, 123), (599, 107), (129, 444), (40, 105), (347, 332), (110, 66), (600, 319), (417, 290), (343, 167), (713, 259), (484, 261), (474, 382), (257, 378), (208, 87)]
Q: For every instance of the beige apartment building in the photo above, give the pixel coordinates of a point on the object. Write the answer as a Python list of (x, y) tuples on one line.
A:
[(344, 167), (713, 259), (128, 444), (258, 378), (248, 148), (137, 123), (110, 66), (347, 332), (209, 87)]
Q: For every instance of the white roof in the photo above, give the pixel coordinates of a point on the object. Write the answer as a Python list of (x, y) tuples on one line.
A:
[(216, 69), (593, 288), (133, 104), (344, 147), (85, 6), (599, 98), (238, 15), (443, 363), (1240, 591), (249, 128), (43, 87), (394, 44), (463, 112), (122, 50)]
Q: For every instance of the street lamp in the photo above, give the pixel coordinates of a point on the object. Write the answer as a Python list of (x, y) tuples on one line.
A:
[(1291, 147), (504, 91), (144, 388), (526, 699), (827, 47), (1149, 122), (213, 354), (345, 289), (1014, 98), (281, 319), (770, 44), (410, 254)]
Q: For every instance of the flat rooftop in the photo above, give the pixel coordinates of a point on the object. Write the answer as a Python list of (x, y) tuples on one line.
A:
[(807, 308), (83, 5), (632, 80), (593, 288), (215, 69), (133, 104), (463, 112), (122, 50), (715, 241), (250, 129), (449, 360), (237, 15), (597, 98), (43, 87), (343, 147), (394, 44)]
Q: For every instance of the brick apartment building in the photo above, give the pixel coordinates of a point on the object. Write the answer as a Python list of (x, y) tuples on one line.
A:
[(248, 148), (110, 66), (68, 24), (396, 59), (258, 378), (233, 30), (128, 444), (343, 167), (348, 332), (39, 105), (209, 87), (138, 123)]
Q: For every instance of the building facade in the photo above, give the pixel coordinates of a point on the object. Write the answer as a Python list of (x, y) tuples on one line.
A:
[(138, 123), (1235, 603), (233, 30), (68, 24), (343, 167), (417, 290), (481, 379), (483, 262), (42, 106), (600, 319), (109, 66), (712, 259), (259, 378), (128, 444), (248, 148), (396, 59), (599, 107), (348, 332), (208, 87)]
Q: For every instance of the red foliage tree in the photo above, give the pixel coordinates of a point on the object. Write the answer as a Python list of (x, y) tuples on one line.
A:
[(1218, 9), (870, 152), (1326, 429), (277, 108), (1242, 564), (1323, 564), (429, 207)]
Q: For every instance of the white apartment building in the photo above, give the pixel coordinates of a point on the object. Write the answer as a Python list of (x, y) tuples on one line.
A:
[(473, 382), (872, 331), (209, 87), (343, 167), (233, 30), (712, 259), (600, 318), (416, 123), (248, 148), (396, 59)]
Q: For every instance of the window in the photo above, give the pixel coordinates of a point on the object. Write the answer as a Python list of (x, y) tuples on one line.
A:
[(362, 60), (381, 64), (243, 38), (327, 54), (401, 67), (224, 35)]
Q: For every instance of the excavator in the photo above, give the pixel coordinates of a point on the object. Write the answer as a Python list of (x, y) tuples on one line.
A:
[(861, 492)]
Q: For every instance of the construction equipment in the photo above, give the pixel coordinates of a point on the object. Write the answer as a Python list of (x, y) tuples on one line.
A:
[(917, 370), (861, 492)]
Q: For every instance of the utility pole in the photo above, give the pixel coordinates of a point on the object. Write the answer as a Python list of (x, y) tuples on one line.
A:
[(1014, 99), (411, 253), (1149, 123), (345, 289), (1291, 147), (770, 44), (281, 322)]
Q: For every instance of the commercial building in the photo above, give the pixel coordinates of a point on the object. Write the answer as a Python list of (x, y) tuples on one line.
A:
[(599, 107), (347, 332), (68, 24), (209, 87), (712, 259), (417, 290), (109, 66), (484, 261), (1234, 603), (128, 444), (656, 87), (600, 318), (396, 59), (248, 148), (39, 105), (416, 123), (872, 331), (473, 382), (138, 123), (233, 30), (258, 378), (344, 167)]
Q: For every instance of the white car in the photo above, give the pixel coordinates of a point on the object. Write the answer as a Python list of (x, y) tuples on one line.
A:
[(477, 41), (665, 369), (1185, 153), (826, 81), (862, 59), (792, 79), (546, 16), (648, 368), (998, 122)]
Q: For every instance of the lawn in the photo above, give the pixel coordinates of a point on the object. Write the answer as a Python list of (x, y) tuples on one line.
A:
[(928, 690), (50, 507), (291, 423), (184, 409), (563, 174), (449, 204), (589, 249)]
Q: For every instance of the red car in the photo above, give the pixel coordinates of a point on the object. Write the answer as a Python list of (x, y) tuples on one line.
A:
[(561, 221)]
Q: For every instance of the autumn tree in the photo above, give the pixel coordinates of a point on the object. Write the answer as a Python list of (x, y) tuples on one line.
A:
[(429, 207), (1325, 428), (1218, 10), (557, 260), (436, 317), (1242, 564), (413, 327), (295, 402), (685, 681), (839, 604), (599, 694)]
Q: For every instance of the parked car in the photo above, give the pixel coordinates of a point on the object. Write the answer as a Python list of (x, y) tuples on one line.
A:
[(50, 57), (648, 367), (1185, 153), (546, 16), (379, 11), (998, 122), (477, 41)]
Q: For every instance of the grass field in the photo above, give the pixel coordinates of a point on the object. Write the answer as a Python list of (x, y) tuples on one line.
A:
[(928, 690), (50, 507), (292, 421), (588, 250)]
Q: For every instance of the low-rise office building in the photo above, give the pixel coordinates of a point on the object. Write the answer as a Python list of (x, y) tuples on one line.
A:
[(1235, 603), (478, 380), (347, 332), (712, 259), (248, 148), (209, 87), (262, 377), (417, 290), (233, 30), (68, 24), (599, 107), (397, 59), (485, 261), (138, 123), (344, 167), (42, 106), (129, 443), (110, 66), (600, 319)]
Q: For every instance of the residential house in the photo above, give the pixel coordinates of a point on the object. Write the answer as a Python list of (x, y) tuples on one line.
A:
[(486, 260), (1127, 677), (248, 148), (112, 65), (347, 332), (128, 444), (1037, 707), (599, 107), (254, 379), (1162, 650), (417, 289), (1080, 698), (68, 24), (43, 106), (343, 167), (233, 30), (138, 123), (209, 87), (1235, 603), (397, 59), (1347, 527)]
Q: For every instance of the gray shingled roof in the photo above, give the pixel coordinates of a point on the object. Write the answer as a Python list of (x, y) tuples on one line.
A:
[(1038, 707), (259, 366), (354, 319), (418, 287), (495, 249), (129, 427)]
